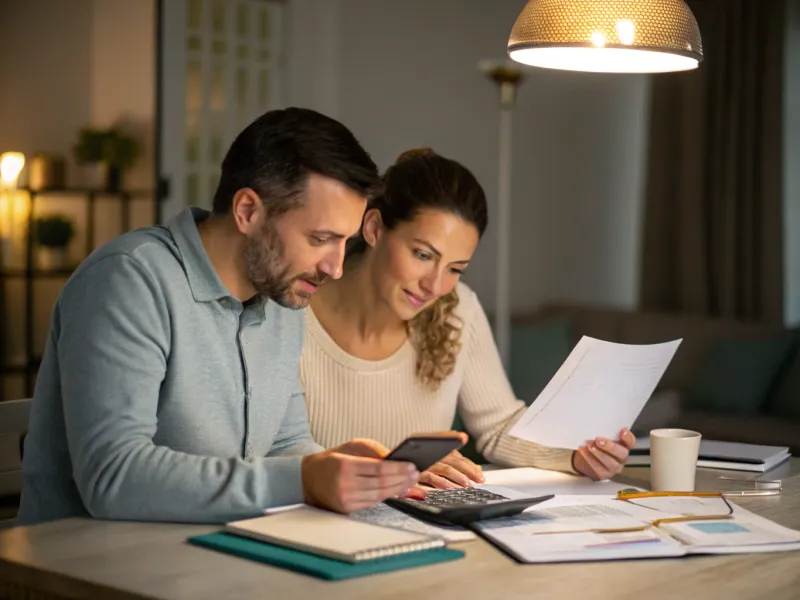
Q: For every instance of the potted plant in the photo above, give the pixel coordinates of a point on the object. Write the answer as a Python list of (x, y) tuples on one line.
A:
[(120, 151), (104, 154), (89, 155), (53, 234)]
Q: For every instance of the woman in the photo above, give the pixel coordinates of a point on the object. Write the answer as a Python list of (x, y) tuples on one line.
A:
[(398, 344)]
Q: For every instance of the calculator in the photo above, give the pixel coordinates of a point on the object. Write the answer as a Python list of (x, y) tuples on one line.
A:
[(462, 506)]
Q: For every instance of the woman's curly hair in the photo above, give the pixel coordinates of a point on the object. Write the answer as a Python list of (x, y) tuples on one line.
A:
[(436, 334), (422, 179)]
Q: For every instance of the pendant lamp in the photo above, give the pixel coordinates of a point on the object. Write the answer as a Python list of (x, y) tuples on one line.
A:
[(607, 36)]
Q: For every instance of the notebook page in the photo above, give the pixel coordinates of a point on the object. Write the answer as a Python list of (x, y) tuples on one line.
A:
[(329, 534)]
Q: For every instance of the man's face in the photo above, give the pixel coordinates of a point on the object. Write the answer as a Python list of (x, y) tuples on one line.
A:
[(288, 258)]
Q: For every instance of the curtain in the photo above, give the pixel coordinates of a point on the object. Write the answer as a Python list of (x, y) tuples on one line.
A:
[(712, 231)]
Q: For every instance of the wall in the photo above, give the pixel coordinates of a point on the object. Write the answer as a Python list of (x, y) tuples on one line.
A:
[(123, 73), (45, 50), (792, 166), (404, 74), (313, 54)]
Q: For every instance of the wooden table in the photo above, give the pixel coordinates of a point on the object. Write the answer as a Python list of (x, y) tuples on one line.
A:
[(85, 558)]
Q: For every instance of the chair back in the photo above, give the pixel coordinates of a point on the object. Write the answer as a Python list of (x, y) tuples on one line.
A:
[(14, 417)]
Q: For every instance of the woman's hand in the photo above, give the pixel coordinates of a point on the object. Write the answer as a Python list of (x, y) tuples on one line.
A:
[(601, 458), (453, 471)]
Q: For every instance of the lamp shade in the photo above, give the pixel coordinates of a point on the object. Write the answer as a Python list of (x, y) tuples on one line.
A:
[(607, 36)]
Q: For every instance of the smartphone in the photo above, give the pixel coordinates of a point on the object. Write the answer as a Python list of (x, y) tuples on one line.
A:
[(424, 451)]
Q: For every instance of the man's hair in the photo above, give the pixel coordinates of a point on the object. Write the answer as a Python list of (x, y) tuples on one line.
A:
[(277, 152)]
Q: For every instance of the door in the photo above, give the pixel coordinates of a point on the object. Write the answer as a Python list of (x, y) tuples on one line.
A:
[(221, 66)]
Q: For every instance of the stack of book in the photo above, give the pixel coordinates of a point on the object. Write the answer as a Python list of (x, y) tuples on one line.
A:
[(722, 455)]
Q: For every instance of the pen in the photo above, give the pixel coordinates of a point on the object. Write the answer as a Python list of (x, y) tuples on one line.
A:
[(629, 494), (632, 494), (765, 484), (774, 492)]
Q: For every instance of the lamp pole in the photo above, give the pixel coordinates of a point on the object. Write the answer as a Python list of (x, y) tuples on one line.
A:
[(507, 76)]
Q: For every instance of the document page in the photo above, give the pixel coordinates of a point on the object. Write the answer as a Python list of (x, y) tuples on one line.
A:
[(591, 528), (600, 389), (581, 528), (538, 482), (744, 532)]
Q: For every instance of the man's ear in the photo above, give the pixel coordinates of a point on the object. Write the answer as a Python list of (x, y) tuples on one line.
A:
[(248, 210), (373, 226)]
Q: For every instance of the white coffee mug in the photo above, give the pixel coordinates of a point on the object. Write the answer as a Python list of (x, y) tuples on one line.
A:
[(673, 459)]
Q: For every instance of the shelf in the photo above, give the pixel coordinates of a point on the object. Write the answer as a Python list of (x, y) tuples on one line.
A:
[(32, 270), (34, 364), (43, 273)]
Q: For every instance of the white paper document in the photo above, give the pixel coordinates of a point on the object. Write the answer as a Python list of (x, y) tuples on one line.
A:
[(596, 528), (600, 389), (538, 482)]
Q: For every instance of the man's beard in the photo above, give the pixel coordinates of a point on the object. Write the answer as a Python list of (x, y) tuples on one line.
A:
[(268, 271)]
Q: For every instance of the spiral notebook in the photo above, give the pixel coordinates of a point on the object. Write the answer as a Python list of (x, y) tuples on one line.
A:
[(331, 535)]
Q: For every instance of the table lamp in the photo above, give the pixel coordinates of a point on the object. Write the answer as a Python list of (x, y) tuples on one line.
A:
[(13, 204)]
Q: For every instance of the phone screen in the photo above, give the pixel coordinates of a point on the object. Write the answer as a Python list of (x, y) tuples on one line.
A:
[(424, 452)]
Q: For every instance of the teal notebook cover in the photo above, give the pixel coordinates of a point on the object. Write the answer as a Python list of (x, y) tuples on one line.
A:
[(320, 566)]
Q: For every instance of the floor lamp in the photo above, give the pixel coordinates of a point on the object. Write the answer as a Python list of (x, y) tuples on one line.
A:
[(507, 76)]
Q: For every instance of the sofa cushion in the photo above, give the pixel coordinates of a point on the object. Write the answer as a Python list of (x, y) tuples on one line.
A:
[(663, 409), (643, 327), (785, 400), (469, 450), (759, 429), (537, 352), (596, 322), (737, 375)]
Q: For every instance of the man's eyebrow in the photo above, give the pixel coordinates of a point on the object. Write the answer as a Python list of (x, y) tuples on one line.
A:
[(328, 233), (433, 249)]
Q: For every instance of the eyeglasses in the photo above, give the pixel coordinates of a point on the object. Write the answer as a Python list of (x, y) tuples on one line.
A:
[(718, 510), (689, 505)]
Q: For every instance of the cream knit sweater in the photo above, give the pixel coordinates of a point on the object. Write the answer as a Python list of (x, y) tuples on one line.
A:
[(348, 397)]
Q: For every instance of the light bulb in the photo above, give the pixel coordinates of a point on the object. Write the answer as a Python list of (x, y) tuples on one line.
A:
[(11, 164)]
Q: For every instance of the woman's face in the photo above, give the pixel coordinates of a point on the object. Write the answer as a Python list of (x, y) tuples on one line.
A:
[(420, 261)]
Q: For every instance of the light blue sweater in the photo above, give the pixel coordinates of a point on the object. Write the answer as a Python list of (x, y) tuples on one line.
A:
[(161, 397)]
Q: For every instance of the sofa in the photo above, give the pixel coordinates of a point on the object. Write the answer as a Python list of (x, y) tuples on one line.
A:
[(730, 380)]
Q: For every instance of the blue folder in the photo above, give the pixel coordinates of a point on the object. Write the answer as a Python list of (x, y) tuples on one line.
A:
[(320, 566)]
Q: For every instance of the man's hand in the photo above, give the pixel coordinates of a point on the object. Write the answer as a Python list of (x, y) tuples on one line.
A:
[(453, 471), (352, 476), (601, 458)]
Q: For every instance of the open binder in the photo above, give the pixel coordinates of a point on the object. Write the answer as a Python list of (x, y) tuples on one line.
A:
[(597, 528)]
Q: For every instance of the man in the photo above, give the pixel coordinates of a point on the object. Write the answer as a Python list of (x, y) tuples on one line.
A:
[(169, 388)]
